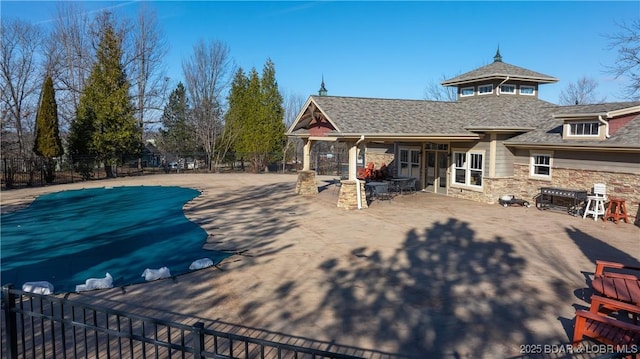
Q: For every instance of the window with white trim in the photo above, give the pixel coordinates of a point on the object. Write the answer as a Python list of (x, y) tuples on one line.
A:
[(527, 90), (485, 89), (466, 91), (508, 89), (541, 165), (468, 168), (584, 129)]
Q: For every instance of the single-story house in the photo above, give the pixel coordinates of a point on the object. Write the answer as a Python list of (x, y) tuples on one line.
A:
[(498, 138)]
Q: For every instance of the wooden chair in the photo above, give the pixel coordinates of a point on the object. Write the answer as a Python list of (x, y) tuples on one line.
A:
[(597, 325), (624, 287)]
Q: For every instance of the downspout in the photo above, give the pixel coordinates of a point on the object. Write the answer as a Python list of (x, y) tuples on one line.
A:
[(502, 83), (358, 191), (606, 126)]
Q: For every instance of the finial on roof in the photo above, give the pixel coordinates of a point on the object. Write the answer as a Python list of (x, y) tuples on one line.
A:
[(497, 57), (323, 90)]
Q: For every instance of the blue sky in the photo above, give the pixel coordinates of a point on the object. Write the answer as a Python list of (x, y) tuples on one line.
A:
[(386, 49)]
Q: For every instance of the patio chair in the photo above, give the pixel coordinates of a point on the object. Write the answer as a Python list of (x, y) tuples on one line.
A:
[(408, 185), (382, 193), (605, 329), (595, 203), (620, 286)]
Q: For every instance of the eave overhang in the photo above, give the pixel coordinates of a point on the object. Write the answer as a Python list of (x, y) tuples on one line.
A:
[(500, 129), (391, 136), (606, 114), (581, 147), (500, 77)]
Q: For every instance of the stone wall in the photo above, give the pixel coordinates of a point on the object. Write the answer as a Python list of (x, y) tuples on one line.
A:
[(348, 197), (379, 158), (619, 185)]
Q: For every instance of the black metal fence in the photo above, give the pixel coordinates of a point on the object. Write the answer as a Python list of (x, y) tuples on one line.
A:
[(42, 326)]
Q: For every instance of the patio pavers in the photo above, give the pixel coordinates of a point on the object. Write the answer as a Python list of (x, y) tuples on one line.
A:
[(423, 275)]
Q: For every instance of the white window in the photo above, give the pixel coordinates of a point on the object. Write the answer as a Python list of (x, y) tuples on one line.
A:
[(541, 165), (584, 129), (508, 89), (468, 168), (527, 90), (466, 91), (459, 167), (485, 89)]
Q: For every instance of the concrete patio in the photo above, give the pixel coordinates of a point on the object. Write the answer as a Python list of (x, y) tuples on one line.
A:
[(420, 276)]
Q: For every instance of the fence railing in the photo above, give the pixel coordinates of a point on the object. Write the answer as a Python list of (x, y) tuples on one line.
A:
[(42, 326)]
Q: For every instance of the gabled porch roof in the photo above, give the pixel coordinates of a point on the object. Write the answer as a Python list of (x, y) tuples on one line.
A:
[(415, 120)]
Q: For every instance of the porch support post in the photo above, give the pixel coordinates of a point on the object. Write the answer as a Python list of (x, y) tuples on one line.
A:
[(353, 162), (351, 188), (306, 157)]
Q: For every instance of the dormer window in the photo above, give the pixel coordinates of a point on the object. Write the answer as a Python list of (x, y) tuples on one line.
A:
[(485, 89), (508, 89), (466, 91), (527, 90), (591, 129)]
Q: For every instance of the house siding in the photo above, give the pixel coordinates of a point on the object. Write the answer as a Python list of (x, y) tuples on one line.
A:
[(618, 162), (504, 157)]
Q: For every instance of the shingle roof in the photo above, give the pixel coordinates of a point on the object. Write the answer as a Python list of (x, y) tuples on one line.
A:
[(355, 115), (500, 70), (596, 108)]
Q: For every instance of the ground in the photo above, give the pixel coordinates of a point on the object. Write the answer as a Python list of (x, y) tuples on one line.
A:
[(422, 275)]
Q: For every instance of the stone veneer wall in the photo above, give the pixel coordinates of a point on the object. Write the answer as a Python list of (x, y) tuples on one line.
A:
[(379, 158), (348, 197), (306, 184), (620, 185)]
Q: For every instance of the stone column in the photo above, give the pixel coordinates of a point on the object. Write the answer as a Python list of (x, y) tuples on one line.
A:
[(348, 197), (306, 184)]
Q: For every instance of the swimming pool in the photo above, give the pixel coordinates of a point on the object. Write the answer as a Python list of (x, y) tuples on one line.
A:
[(69, 236)]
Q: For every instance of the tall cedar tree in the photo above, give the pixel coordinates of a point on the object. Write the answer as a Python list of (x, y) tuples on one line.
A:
[(236, 111), (178, 135), (47, 143), (256, 113), (105, 127)]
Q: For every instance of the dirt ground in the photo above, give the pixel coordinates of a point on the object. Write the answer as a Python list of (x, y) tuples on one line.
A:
[(423, 275)]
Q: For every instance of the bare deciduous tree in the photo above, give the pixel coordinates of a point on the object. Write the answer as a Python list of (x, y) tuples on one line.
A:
[(292, 105), (71, 54), (627, 44), (20, 77), (581, 92), (146, 68), (434, 91), (207, 76)]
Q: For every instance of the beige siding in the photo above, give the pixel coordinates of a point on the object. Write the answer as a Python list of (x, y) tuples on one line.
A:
[(599, 161), (620, 162), (504, 158)]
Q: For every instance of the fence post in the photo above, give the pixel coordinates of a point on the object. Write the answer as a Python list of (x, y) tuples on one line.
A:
[(10, 321), (198, 340)]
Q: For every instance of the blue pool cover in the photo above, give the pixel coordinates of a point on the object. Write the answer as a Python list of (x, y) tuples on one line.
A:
[(69, 236)]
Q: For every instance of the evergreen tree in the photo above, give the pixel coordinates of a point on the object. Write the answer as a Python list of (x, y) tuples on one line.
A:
[(178, 135), (272, 114), (47, 142), (237, 111), (105, 126), (256, 113)]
